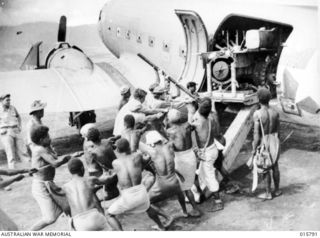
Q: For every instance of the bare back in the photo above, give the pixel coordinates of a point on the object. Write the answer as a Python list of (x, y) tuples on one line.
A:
[(80, 195), (163, 158), (133, 136), (180, 135), (128, 169), (269, 118)]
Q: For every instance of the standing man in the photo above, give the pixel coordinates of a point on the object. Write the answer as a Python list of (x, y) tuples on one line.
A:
[(94, 169), (125, 96), (132, 134), (135, 107), (206, 129), (166, 183), (36, 113), (134, 196), (86, 211), (100, 152), (269, 118), (10, 128), (185, 160), (45, 161), (191, 86)]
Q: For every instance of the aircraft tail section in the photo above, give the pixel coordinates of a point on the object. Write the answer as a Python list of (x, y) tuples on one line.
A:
[(32, 60)]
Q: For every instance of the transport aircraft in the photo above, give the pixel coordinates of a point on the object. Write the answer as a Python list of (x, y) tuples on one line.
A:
[(228, 48)]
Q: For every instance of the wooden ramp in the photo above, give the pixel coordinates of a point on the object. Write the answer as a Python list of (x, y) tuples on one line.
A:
[(236, 135)]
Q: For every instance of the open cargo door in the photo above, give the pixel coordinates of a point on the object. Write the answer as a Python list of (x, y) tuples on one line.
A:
[(196, 43)]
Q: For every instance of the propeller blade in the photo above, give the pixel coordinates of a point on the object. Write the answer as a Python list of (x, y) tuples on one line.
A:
[(62, 29)]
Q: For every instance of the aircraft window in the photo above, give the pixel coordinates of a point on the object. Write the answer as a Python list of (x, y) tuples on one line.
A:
[(182, 51), (166, 47), (128, 35), (151, 41), (118, 32), (139, 39)]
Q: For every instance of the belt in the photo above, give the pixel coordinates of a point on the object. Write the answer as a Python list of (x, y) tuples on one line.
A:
[(6, 127)]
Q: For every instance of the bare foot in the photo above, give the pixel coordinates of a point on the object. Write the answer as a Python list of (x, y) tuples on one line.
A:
[(194, 213), (265, 196), (157, 228), (216, 206), (168, 222), (277, 193), (185, 214)]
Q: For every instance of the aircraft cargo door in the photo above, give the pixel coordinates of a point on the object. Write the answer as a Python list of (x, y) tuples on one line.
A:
[(196, 43)]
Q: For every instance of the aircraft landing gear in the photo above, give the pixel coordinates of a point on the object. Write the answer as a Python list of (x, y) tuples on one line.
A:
[(79, 119)]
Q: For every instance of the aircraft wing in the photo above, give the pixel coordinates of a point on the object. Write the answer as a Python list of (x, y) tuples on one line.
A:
[(62, 89)]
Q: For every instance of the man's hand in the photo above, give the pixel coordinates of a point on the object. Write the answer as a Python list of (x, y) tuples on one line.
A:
[(18, 177), (65, 159), (77, 154), (32, 171)]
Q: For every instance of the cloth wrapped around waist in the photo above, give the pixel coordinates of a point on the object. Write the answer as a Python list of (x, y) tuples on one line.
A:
[(49, 190), (91, 220), (164, 187), (58, 197), (186, 165), (131, 200), (207, 172)]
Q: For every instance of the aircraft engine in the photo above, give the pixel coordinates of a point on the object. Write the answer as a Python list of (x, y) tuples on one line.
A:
[(253, 45), (68, 57)]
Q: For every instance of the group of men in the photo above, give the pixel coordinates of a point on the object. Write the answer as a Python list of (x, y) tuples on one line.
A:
[(161, 148)]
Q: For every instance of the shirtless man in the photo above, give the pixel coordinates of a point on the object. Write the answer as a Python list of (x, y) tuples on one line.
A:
[(131, 134), (87, 213), (101, 152), (94, 169), (207, 128), (45, 160), (185, 160), (271, 125), (133, 197), (166, 182)]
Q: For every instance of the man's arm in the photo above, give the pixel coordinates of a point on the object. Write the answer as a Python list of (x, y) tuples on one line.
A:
[(19, 118), (256, 132), (148, 111), (11, 180), (53, 160), (11, 172), (106, 178)]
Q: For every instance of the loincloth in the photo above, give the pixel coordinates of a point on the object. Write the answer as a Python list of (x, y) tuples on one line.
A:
[(186, 165), (90, 220), (131, 200), (164, 187), (207, 172), (48, 205)]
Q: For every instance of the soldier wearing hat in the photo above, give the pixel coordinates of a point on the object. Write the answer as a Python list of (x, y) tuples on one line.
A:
[(10, 128), (125, 94), (36, 113)]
